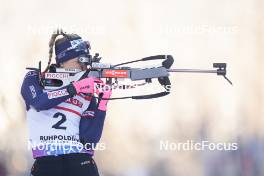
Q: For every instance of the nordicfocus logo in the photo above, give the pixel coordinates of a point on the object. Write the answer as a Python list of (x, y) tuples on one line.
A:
[(57, 93), (191, 145), (65, 147), (57, 75)]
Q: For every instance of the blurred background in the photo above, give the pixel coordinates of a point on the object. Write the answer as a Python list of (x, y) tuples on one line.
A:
[(200, 106)]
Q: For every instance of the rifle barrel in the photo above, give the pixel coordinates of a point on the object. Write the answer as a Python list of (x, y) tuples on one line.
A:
[(192, 70)]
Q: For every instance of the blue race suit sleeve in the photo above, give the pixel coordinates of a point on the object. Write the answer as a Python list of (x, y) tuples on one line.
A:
[(91, 127), (34, 96)]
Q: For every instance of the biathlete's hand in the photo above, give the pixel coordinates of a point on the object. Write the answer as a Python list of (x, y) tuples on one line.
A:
[(85, 85), (105, 91)]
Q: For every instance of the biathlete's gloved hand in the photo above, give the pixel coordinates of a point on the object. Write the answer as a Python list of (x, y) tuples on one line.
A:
[(83, 86), (104, 93)]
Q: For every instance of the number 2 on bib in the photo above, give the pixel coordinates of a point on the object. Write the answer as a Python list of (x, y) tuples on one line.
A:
[(58, 125)]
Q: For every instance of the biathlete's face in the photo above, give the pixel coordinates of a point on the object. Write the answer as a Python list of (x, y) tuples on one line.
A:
[(73, 63)]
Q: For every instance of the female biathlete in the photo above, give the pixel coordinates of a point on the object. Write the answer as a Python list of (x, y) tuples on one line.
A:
[(64, 123)]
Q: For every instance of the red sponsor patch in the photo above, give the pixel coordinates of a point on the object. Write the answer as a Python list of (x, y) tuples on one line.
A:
[(115, 73), (75, 102)]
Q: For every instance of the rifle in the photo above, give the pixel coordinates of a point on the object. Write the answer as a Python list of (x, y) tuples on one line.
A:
[(59, 77)]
